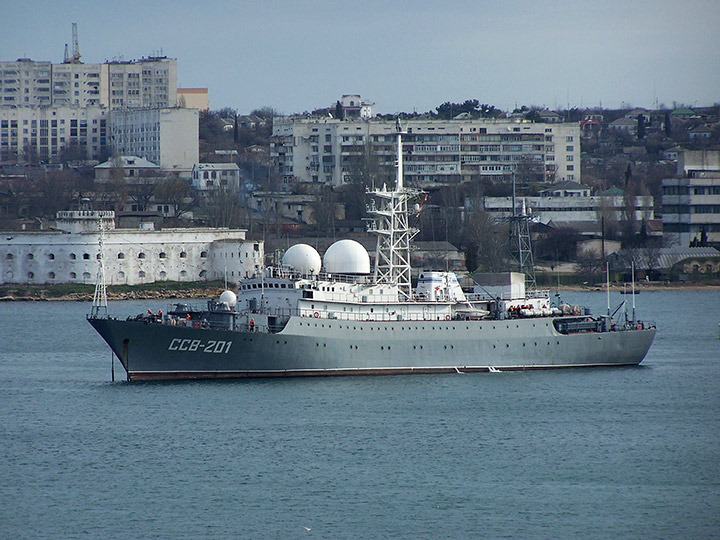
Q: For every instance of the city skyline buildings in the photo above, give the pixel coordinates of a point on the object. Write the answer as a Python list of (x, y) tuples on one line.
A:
[(405, 57)]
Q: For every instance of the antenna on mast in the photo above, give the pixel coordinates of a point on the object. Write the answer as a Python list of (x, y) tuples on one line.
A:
[(390, 223), (99, 306)]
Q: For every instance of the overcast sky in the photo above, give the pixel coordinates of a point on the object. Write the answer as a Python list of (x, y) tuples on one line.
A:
[(300, 55)]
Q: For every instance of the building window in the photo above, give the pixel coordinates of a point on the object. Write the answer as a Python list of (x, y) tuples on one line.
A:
[(30, 256), (86, 256), (51, 275), (73, 256), (141, 255), (203, 255), (183, 255), (9, 256), (203, 273), (121, 255), (51, 256), (31, 275), (162, 255), (73, 275), (141, 274), (183, 273)]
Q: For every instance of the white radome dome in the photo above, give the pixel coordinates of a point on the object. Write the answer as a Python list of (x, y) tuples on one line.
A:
[(302, 258), (346, 257), (229, 298)]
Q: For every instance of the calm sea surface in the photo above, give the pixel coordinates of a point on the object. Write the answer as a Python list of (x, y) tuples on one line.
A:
[(581, 453)]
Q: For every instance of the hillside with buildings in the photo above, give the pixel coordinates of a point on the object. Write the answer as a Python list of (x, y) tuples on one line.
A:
[(120, 139)]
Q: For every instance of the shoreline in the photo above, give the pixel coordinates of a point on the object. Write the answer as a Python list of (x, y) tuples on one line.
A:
[(44, 295)]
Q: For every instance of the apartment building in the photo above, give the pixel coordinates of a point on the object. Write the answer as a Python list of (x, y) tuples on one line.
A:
[(45, 131), (569, 210), (327, 150), (691, 199), (145, 83), (166, 137)]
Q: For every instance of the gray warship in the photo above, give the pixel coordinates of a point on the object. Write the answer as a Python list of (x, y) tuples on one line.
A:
[(309, 316)]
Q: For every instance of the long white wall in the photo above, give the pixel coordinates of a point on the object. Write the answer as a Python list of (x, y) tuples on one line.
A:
[(131, 256)]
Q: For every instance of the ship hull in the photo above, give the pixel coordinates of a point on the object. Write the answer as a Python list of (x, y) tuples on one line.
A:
[(313, 347)]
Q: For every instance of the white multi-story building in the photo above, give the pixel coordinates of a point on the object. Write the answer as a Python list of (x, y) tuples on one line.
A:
[(46, 130), (145, 83), (131, 256), (212, 176), (168, 137), (569, 210), (327, 150), (25, 83), (691, 200)]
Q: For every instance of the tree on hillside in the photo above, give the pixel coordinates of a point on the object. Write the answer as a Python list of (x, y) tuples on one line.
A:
[(641, 127)]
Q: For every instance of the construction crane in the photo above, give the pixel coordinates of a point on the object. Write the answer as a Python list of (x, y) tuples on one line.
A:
[(75, 58)]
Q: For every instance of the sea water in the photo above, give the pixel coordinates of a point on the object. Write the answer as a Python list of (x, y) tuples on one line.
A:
[(575, 453)]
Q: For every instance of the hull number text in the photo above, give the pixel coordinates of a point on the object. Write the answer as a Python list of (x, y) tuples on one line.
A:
[(193, 345)]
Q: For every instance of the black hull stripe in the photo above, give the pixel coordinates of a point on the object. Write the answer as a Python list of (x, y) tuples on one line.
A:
[(189, 375)]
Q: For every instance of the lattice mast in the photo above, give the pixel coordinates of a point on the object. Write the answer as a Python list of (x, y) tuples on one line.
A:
[(99, 305), (520, 245), (389, 211)]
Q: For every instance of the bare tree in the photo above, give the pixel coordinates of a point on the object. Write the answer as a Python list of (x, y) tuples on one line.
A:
[(485, 241), (590, 264), (224, 208), (177, 193)]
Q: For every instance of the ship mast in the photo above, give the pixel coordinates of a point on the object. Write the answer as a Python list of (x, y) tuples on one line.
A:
[(389, 211), (99, 305), (519, 244)]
